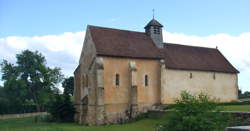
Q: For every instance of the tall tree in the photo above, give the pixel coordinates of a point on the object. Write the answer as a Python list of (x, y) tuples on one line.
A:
[(31, 73), (68, 85)]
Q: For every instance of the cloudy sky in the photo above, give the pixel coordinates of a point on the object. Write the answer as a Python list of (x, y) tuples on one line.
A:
[(57, 28)]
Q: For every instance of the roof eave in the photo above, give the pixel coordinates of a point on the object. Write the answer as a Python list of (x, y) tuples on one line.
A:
[(135, 57), (187, 69)]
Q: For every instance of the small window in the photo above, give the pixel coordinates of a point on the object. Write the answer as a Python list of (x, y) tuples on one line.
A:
[(191, 75), (156, 30), (146, 80), (117, 79), (214, 76)]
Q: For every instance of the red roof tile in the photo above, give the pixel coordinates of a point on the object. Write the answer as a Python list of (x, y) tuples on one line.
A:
[(122, 43), (196, 58)]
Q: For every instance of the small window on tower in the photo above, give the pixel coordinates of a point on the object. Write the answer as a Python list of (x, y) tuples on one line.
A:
[(156, 30)]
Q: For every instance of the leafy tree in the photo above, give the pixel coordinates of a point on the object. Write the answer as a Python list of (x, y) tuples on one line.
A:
[(239, 92), (68, 85), (246, 94), (30, 78), (13, 92), (62, 108), (195, 113)]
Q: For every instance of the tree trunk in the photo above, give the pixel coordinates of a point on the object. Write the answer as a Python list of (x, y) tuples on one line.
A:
[(38, 109), (34, 96)]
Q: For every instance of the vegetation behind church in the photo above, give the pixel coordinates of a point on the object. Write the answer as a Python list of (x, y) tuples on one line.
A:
[(31, 86)]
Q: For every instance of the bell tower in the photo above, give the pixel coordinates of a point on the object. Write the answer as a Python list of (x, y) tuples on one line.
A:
[(154, 30)]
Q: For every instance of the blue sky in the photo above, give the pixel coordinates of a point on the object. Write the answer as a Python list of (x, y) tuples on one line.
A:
[(196, 17), (46, 25)]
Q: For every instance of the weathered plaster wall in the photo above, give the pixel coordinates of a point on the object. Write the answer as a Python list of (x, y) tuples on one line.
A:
[(87, 79), (117, 99), (224, 86), (77, 84)]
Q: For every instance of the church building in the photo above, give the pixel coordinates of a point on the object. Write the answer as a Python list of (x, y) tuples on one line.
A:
[(123, 73)]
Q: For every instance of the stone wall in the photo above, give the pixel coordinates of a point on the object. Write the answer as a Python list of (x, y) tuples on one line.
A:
[(7, 116), (85, 87)]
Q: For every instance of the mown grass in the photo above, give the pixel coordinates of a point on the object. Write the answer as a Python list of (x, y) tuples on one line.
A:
[(28, 124), (225, 107), (146, 124), (243, 108)]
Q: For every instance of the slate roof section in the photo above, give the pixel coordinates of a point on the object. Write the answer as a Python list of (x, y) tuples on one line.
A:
[(185, 57), (153, 22), (130, 44), (123, 43)]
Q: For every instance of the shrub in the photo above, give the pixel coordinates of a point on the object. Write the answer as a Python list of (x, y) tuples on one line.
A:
[(195, 113), (61, 109)]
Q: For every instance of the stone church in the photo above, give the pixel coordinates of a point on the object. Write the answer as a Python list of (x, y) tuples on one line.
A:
[(123, 73)]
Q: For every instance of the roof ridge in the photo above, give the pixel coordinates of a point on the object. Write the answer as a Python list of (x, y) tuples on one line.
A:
[(116, 29), (190, 46)]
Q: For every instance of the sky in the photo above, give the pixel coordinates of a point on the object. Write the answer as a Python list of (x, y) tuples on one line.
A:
[(56, 28)]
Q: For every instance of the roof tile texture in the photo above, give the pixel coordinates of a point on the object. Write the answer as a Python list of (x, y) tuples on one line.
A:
[(123, 43), (195, 58)]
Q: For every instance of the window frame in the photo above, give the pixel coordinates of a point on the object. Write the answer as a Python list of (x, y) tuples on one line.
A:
[(156, 30), (146, 80), (117, 80)]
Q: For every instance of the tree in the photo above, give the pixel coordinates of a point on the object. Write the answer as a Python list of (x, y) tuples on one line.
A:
[(30, 77), (195, 113), (242, 95), (14, 91), (68, 85), (62, 108)]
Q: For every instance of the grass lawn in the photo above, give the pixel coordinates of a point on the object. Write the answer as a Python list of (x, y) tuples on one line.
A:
[(27, 124), (235, 108)]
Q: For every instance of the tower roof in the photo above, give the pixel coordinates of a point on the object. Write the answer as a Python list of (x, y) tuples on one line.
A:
[(153, 22)]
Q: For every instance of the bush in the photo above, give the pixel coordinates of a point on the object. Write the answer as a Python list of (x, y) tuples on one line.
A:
[(61, 109), (195, 113)]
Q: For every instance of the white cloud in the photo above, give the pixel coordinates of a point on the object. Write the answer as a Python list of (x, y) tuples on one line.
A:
[(63, 50)]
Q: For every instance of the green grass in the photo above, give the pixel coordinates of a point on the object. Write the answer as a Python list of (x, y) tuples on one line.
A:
[(147, 124), (227, 107), (28, 124), (245, 108)]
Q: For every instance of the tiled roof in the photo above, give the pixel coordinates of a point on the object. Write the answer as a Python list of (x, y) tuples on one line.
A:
[(153, 22), (123, 43), (195, 58)]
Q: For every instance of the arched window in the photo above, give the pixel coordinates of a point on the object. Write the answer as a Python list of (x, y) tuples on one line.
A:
[(146, 80), (117, 79)]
